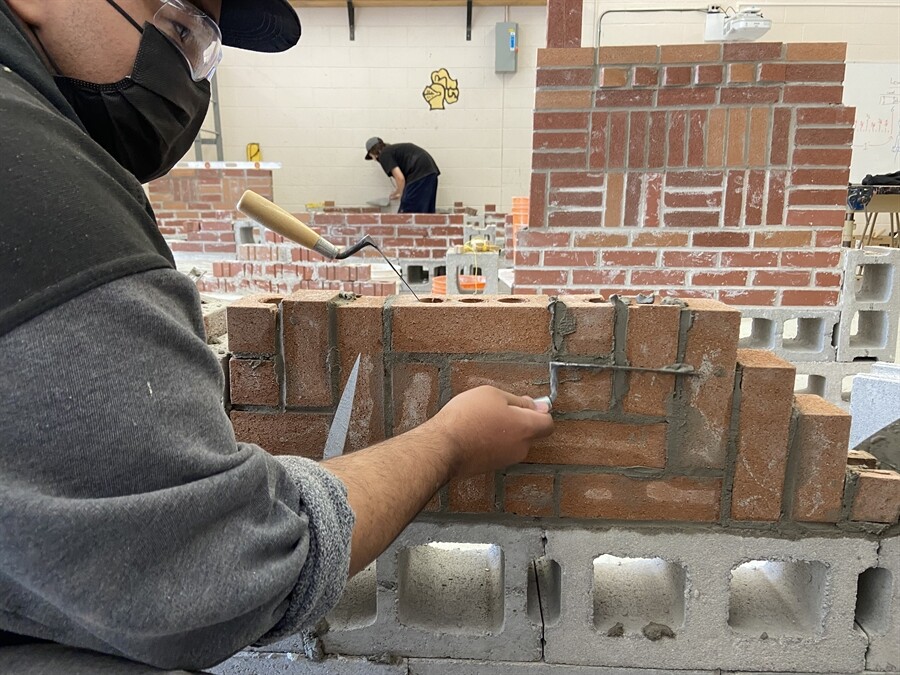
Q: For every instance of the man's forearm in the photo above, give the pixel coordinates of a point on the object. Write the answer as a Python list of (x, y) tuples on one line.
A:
[(388, 484)]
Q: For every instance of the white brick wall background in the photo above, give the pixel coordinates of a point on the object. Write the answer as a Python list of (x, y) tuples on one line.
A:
[(313, 107)]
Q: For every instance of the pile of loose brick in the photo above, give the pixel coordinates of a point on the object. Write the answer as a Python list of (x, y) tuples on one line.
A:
[(729, 444)]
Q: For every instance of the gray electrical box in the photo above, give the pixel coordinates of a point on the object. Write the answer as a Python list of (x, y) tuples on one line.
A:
[(507, 38)]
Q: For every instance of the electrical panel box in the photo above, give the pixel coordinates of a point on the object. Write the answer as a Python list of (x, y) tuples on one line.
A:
[(507, 37)]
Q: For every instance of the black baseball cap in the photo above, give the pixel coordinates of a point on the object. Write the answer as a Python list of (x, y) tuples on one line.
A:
[(259, 25)]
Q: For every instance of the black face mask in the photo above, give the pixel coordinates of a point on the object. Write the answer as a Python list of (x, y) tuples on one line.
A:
[(148, 120)]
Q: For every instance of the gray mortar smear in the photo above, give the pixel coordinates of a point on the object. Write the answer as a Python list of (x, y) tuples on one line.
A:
[(620, 380)]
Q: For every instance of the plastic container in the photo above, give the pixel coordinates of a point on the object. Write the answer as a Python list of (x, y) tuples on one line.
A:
[(468, 283)]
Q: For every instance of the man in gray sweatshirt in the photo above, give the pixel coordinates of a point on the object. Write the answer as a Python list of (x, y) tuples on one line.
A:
[(134, 529)]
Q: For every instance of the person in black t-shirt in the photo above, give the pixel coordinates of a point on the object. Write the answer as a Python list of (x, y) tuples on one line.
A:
[(413, 170)]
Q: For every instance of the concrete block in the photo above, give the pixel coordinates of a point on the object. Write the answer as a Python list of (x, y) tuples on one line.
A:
[(794, 333), (256, 663), (485, 264), (791, 610), (875, 402), (420, 274), (487, 232), (878, 608), (870, 304), (460, 667), (446, 590), (832, 380)]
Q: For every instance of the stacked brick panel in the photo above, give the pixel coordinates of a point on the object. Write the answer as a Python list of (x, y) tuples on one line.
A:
[(659, 416), (714, 170)]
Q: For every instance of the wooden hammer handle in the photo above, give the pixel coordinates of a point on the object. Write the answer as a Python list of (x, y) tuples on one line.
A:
[(278, 220)]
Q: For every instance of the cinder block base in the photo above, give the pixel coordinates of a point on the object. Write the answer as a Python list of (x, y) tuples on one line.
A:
[(780, 619), (465, 263), (875, 402), (795, 334), (827, 379), (870, 304), (880, 618)]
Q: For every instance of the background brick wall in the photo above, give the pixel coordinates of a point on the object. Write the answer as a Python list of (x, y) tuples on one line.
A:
[(728, 443), (706, 170)]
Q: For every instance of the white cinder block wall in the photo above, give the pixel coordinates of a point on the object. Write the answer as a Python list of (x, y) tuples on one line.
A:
[(313, 107)]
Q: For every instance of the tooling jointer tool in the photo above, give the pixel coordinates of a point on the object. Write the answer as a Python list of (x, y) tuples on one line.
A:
[(278, 220)]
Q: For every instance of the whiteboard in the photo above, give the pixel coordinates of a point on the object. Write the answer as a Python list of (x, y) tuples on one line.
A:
[(874, 90)]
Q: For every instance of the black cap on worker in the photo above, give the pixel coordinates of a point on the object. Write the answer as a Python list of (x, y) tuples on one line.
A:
[(371, 143), (259, 25)]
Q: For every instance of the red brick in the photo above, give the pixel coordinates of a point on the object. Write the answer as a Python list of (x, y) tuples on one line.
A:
[(634, 191), (690, 53), (719, 278), (613, 77), (592, 199), (306, 346), (772, 72), (775, 206), (828, 279), (625, 98), (687, 96), (712, 350), (689, 258), (748, 297), (737, 131), (813, 94), (823, 137), (283, 433), (637, 144), (646, 76), (734, 199), (565, 57), (545, 121), (576, 179), (676, 140), (658, 278), (766, 402), (617, 497), (662, 238), (877, 498), (597, 277), (780, 278), (553, 140), (751, 51), (821, 439), (752, 95), (254, 382), (657, 141), (653, 195), (721, 239), (537, 201), (627, 258), (828, 238), (709, 74), (589, 218), (588, 325), (570, 258), (541, 276), (822, 157), (749, 259), (693, 200), (360, 332), (559, 160), (251, 325), (600, 240), (595, 443), (529, 494), (694, 179), (504, 324), (814, 72), (617, 142), (598, 141), (805, 298), (628, 55), (416, 394), (565, 77), (781, 133), (827, 116), (535, 239), (612, 215), (810, 258), (564, 23), (471, 495), (562, 99), (812, 197), (677, 75)]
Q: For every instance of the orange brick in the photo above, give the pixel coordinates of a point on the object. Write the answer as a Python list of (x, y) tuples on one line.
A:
[(523, 379), (877, 497), (817, 51), (584, 326), (597, 443), (283, 433), (472, 495), (497, 324), (613, 77), (360, 332), (690, 53), (251, 325), (766, 401), (306, 335), (651, 342), (582, 56), (820, 448), (616, 497), (253, 382), (529, 494), (416, 394), (712, 351), (741, 72), (562, 99), (623, 55)]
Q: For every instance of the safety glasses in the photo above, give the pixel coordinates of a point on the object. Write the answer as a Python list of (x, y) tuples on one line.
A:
[(195, 35)]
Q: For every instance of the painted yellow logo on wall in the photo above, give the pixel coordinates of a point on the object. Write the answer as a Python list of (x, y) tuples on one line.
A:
[(442, 90)]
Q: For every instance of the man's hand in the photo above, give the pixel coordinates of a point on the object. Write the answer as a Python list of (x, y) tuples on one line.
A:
[(490, 429), (388, 484)]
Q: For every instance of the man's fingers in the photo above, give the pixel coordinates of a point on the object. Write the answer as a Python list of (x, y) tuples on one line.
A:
[(520, 401), (539, 425)]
